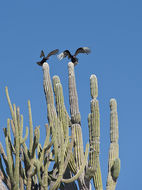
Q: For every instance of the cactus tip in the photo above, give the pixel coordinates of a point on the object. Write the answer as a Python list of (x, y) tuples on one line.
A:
[(93, 76), (56, 78), (113, 102), (45, 65), (70, 64)]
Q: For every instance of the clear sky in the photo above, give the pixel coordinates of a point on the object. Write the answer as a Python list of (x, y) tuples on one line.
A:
[(113, 31)]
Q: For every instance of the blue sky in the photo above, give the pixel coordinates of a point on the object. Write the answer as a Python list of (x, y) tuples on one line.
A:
[(113, 31)]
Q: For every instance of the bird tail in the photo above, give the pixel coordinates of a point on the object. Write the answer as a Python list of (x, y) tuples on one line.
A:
[(39, 63), (60, 56)]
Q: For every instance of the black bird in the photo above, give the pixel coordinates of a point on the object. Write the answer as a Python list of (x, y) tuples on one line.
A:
[(73, 58), (47, 57)]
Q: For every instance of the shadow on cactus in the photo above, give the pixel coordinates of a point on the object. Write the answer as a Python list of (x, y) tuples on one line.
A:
[(61, 162)]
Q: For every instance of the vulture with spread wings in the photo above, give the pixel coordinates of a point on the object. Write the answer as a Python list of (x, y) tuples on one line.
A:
[(44, 59), (73, 58)]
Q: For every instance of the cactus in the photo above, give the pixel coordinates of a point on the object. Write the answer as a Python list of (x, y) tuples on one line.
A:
[(61, 162)]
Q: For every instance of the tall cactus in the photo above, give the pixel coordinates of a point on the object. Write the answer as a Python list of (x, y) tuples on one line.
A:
[(114, 161), (61, 162), (94, 128)]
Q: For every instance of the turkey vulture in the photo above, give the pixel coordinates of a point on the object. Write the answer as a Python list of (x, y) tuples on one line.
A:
[(73, 58), (47, 57)]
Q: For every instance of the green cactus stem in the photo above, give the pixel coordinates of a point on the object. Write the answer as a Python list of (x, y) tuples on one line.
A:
[(31, 128), (81, 167), (9, 156), (114, 161), (47, 84), (94, 136), (78, 148), (64, 164), (58, 123), (73, 98), (36, 140), (60, 106), (17, 149), (63, 116), (9, 102), (94, 86)]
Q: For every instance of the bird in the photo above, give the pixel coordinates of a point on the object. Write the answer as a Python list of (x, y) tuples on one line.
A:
[(73, 58), (40, 63)]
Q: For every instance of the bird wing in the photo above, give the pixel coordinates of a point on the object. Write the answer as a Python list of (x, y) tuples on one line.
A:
[(39, 63), (82, 50), (42, 54), (64, 54), (52, 53)]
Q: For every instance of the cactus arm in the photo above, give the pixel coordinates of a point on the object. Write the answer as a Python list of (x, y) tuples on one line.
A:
[(18, 118), (93, 86), (47, 84), (3, 155), (60, 179), (78, 149), (69, 151), (64, 163), (3, 175), (60, 106), (21, 183), (94, 132), (2, 169), (73, 98), (52, 116), (9, 139), (31, 128), (22, 179), (8, 131), (26, 136), (21, 127), (26, 155), (81, 168), (46, 162), (22, 172), (46, 144), (17, 148), (45, 175), (53, 123), (97, 179), (63, 116), (9, 102), (63, 166), (75, 116), (36, 140), (9, 156), (29, 180), (12, 126), (96, 149), (61, 154), (37, 164), (114, 161)]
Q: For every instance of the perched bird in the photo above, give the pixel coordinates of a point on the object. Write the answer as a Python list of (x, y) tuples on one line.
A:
[(47, 57), (73, 58)]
